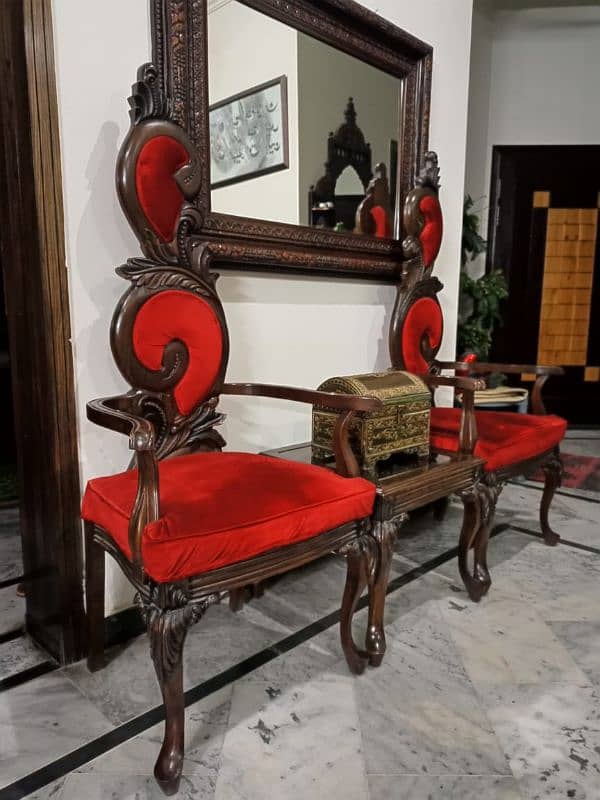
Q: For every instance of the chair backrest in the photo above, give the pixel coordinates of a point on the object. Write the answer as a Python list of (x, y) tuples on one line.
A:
[(157, 169), (374, 214), (417, 324), (169, 335)]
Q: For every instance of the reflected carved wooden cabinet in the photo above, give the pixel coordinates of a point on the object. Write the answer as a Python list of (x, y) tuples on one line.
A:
[(400, 426)]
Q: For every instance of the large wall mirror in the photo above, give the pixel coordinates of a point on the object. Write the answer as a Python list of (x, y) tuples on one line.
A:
[(310, 117)]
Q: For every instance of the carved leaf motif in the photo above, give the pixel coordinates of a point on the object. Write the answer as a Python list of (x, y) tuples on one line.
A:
[(142, 272), (168, 614)]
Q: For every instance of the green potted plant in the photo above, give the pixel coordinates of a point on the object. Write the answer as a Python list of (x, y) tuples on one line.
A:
[(480, 298)]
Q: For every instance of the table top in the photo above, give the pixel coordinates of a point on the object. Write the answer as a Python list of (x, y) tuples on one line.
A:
[(405, 482)]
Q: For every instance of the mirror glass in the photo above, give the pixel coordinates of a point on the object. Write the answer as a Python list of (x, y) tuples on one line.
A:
[(297, 127)]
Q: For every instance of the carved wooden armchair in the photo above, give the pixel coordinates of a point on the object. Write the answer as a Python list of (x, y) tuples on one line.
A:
[(188, 523), (511, 444)]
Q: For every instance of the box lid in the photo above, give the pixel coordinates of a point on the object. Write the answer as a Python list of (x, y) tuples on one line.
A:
[(389, 387)]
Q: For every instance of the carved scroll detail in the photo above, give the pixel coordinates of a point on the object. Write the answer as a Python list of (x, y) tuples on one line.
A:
[(168, 613)]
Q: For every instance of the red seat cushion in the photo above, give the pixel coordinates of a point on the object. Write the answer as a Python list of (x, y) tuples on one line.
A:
[(223, 508), (505, 438)]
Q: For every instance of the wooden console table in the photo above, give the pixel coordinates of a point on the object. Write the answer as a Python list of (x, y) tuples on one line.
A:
[(406, 486)]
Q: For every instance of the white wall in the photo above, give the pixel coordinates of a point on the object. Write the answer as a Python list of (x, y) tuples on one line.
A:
[(534, 80), (238, 59), (289, 330)]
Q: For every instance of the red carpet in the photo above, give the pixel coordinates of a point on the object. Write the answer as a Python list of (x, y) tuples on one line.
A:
[(581, 472)]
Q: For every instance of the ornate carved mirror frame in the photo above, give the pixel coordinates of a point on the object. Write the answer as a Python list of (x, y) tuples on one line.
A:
[(179, 42)]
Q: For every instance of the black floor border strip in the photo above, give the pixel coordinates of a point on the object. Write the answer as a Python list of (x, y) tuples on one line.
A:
[(9, 636), (27, 675), (128, 730), (576, 545), (558, 491), (12, 581)]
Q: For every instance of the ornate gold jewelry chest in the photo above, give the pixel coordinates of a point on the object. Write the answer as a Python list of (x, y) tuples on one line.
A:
[(400, 426)]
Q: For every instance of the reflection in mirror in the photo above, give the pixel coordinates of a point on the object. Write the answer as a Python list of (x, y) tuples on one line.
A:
[(281, 122)]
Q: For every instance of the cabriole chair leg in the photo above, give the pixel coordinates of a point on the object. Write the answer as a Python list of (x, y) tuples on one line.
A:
[(384, 534), (553, 471), (94, 599), (471, 527), (360, 558), (167, 636)]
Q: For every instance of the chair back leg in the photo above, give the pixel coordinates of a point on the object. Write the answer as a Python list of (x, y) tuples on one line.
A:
[(553, 471), (94, 599)]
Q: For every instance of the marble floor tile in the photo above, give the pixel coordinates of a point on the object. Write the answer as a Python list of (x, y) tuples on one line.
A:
[(127, 686), (11, 559), (100, 786), (462, 787), (551, 735), (561, 582), (502, 641), (205, 726), (42, 720), (303, 743), (53, 791), (12, 610), (418, 711), (582, 640), (18, 655), (422, 538)]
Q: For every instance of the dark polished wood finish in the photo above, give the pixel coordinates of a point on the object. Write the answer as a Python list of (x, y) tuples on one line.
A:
[(148, 415), (37, 302), (480, 500), (410, 486), (179, 36)]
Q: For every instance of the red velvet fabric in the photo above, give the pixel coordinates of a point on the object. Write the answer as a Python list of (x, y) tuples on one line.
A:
[(433, 229), (383, 229), (424, 318), (178, 315), (158, 194), (505, 438), (223, 508)]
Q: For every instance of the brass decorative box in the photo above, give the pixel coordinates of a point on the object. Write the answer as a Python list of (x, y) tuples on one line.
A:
[(400, 426)]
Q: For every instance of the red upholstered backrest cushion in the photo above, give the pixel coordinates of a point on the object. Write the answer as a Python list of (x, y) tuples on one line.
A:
[(383, 229), (424, 318), (158, 194), (178, 315), (433, 229)]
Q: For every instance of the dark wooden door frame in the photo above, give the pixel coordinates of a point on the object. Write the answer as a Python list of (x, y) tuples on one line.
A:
[(35, 276)]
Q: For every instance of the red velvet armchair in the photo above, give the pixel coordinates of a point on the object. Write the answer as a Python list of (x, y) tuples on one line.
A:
[(187, 523), (511, 444)]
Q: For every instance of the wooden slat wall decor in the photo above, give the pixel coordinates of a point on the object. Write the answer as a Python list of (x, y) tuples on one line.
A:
[(567, 284)]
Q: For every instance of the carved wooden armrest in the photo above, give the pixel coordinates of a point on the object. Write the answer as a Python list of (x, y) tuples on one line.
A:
[(467, 438), (543, 372), (345, 460), (115, 413)]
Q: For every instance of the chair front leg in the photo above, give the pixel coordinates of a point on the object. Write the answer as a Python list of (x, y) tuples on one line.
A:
[(553, 471), (489, 492), (479, 504), (470, 528), (94, 599), (361, 558), (168, 614), (384, 533)]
